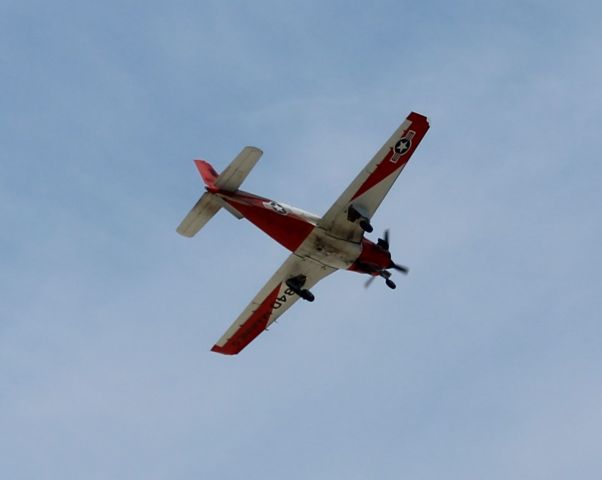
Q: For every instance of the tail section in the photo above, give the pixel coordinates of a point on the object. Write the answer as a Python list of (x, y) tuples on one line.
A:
[(235, 173), (208, 173), (201, 213), (228, 181)]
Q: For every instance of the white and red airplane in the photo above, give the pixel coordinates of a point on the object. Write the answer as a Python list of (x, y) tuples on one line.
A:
[(319, 245)]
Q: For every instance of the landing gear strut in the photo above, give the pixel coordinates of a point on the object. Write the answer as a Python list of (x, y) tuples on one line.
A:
[(296, 285)]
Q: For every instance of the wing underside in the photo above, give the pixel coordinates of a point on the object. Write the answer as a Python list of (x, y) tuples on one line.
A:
[(370, 187), (272, 301)]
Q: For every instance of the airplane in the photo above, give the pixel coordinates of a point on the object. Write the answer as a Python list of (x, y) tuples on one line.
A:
[(319, 245)]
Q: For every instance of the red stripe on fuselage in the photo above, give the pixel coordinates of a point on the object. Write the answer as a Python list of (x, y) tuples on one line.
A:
[(286, 228), (248, 331)]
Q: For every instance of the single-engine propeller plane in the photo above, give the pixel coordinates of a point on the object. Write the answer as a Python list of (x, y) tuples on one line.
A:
[(319, 245)]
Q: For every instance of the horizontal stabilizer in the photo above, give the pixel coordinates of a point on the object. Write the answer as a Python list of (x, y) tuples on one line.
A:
[(235, 173), (201, 213)]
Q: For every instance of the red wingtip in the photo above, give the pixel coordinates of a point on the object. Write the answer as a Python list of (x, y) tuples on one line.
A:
[(223, 350), (417, 117)]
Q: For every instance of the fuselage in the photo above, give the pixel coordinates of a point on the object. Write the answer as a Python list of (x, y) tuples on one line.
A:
[(299, 232)]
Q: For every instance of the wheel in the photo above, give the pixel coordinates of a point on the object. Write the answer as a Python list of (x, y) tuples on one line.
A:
[(390, 284), (366, 226), (307, 295)]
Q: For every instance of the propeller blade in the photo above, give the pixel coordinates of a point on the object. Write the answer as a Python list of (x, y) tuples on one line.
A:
[(400, 268), (384, 242), (369, 281)]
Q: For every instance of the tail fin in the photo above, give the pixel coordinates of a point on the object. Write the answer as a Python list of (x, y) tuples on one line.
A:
[(235, 173), (229, 181), (207, 172)]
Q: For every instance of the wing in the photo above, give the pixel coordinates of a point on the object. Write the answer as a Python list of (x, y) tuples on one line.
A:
[(273, 300), (369, 188)]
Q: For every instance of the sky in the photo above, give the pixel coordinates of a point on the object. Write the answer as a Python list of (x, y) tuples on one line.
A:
[(485, 362)]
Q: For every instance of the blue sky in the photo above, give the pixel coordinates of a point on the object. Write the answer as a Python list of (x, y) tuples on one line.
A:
[(484, 363)]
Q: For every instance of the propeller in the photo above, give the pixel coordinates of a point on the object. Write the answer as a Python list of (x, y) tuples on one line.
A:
[(369, 281), (384, 244), (400, 268)]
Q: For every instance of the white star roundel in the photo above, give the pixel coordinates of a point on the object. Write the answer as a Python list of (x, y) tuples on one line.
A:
[(276, 207), (403, 145)]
